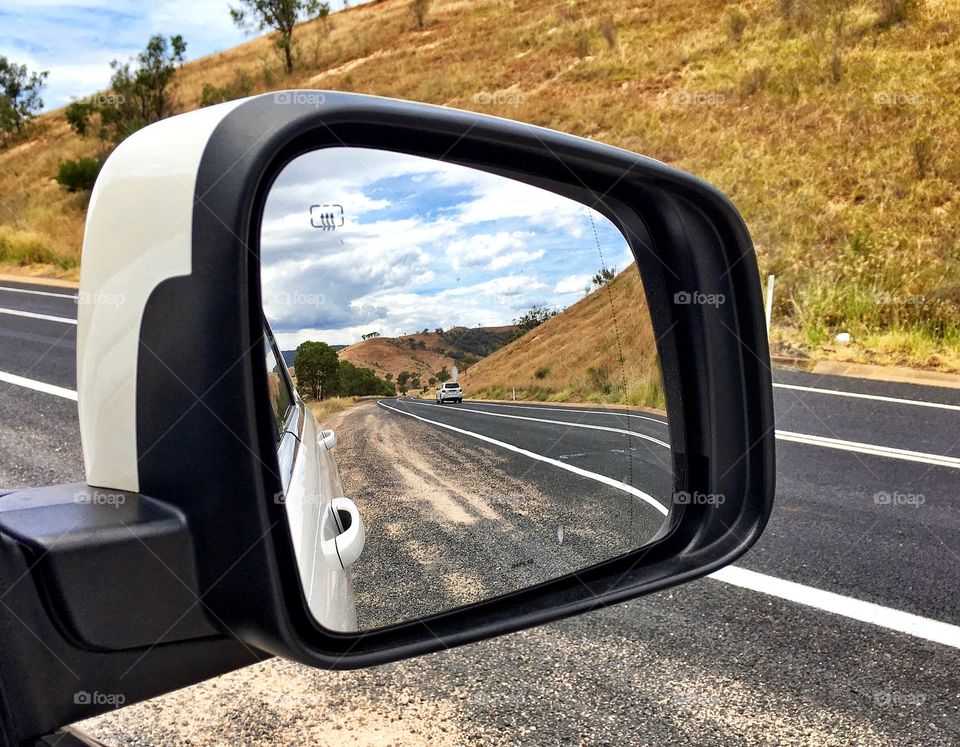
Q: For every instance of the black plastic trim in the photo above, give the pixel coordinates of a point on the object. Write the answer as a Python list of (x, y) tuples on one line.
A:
[(48, 678), (90, 547)]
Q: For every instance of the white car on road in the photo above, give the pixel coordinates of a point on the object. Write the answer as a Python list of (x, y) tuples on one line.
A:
[(449, 391)]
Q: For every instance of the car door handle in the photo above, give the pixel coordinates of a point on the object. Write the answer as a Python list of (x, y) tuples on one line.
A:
[(342, 550), (328, 438)]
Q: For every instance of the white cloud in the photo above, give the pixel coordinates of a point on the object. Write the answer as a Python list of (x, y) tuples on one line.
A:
[(573, 284), (491, 250), (511, 259)]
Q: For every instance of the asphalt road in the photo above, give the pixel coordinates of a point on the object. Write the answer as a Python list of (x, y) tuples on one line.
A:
[(451, 519), (746, 658)]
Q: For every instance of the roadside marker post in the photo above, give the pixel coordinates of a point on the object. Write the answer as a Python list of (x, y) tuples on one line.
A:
[(769, 304)]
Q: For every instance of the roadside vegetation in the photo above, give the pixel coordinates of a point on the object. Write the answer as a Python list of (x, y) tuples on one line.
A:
[(833, 125), (330, 407), (320, 375)]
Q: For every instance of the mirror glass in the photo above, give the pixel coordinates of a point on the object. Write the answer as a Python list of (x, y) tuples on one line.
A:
[(477, 403)]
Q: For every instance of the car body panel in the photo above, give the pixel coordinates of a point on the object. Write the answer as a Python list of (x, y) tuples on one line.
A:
[(313, 482)]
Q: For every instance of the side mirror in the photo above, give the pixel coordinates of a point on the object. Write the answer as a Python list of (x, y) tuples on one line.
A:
[(179, 413)]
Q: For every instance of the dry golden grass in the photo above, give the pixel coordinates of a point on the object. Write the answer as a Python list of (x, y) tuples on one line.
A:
[(327, 408), (842, 153), (601, 349)]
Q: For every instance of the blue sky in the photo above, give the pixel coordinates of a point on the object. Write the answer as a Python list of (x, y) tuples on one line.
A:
[(76, 40), (423, 244)]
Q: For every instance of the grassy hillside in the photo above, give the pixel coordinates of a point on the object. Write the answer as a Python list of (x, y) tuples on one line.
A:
[(601, 349), (425, 353), (834, 127)]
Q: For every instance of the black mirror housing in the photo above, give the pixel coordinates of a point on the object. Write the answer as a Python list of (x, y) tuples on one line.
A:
[(687, 238)]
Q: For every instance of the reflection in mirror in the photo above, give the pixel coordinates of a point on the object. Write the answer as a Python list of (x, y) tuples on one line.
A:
[(482, 352)]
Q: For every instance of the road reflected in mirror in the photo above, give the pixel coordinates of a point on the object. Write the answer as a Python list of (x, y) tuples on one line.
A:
[(478, 377)]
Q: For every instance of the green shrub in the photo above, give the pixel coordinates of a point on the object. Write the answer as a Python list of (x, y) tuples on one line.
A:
[(736, 22), (541, 373), (240, 87), (79, 175)]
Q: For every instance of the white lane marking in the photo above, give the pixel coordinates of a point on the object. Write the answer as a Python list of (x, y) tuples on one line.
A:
[(870, 449), (569, 410), (33, 315), (38, 386), (540, 458), (37, 293), (561, 422), (855, 609), (889, 452), (877, 397)]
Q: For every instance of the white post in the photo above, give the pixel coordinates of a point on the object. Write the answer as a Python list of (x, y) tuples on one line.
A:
[(769, 301), (514, 393)]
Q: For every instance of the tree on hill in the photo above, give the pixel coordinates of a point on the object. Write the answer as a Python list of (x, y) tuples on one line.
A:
[(19, 96), (317, 365), (536, 316), (604, 276), (79, 175), (443, 375), (280, 16), (139, 95)]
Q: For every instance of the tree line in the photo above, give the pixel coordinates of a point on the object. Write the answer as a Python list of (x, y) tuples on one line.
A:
[(321, 374)]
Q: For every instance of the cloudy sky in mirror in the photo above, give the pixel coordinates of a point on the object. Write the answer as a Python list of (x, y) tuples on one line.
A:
[(423, 244)]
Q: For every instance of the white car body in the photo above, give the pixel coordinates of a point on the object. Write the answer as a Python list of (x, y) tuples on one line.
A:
[(315, 505)]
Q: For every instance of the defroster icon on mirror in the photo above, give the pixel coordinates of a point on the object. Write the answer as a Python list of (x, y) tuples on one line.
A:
[(326, 217)]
